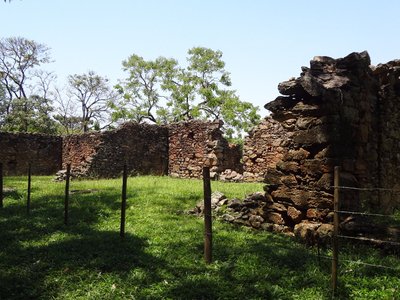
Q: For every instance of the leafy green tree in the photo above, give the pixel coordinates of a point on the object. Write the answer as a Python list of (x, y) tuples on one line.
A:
[(204, 93), (30, 115), (141, 91), (94, 96), (161, 91), (25, 104)]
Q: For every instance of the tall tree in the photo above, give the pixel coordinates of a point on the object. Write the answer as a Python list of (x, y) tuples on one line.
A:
[(18, 58), (202, 91), (162, 91), (31, 114), (141, 91), (66, 114), (94, 95), (25, 104)]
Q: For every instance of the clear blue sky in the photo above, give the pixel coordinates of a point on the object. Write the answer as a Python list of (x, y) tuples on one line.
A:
[(264, 42)]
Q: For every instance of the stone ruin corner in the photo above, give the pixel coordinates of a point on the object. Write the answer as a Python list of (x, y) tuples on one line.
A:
[(338, 112)]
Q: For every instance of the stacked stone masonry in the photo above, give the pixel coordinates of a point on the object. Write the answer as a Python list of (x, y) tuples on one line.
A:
[(339, 112), (143, 147), (18, 150), (195, 144), (180, 150)]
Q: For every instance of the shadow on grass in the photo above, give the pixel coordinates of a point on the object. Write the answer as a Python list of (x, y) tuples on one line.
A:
[(41, 258), (13, 193), (32, 271), (266, 267)]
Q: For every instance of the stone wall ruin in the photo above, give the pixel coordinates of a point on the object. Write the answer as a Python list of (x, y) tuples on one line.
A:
[(17, 150), (339, 112), (143, 147), (179, 150), (195, 144)]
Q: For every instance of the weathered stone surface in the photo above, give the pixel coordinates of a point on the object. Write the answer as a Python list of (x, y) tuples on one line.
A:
[(290, 87), (296, 155), (339, 112), (234, 203), (17, 150), (277, 207), (325, 233), (275, 218), (231, 176), (143, 147), (195, 144), (289, 180), (256, 221), (263, 148), (257, 196), (287, 166), (216, 198), (315, 214), (306, 231), (294, 214), (180, 150), (325, 182), (299, 198)]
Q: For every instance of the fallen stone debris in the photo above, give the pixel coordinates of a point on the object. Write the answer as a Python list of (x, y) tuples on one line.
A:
[(259, 211)]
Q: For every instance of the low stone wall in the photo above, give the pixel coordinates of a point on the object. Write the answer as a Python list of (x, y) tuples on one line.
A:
[(195, 144), (180, 150), (17, 150), (143, 147)]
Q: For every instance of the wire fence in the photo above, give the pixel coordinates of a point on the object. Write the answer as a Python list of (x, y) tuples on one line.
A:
[(336, 234)]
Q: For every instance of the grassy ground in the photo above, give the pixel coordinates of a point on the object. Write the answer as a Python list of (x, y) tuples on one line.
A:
[(161, 256)]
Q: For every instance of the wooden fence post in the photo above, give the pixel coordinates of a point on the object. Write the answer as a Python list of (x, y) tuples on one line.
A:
[(207, 216), (66, 201), (28, 199), (335, 245), (123, 202), (1, 185)]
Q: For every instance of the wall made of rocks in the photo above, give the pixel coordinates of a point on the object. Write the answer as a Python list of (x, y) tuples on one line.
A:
[(388, 76), (265, 145), (143, 147), (195, 144), (79, 151), (17, 150), (329, 116)]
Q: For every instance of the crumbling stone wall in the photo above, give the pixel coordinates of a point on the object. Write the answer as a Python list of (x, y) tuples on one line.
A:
[(264, 146), (143, 147), (196, 143), (17, 150), (338, 112), (388, 76), (181, 150), (79, 151)]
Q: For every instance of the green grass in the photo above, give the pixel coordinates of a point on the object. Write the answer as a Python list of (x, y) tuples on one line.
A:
[(162, 254)]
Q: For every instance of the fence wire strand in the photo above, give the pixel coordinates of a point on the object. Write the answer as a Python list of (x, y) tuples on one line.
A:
[(366, 189), (370, 265), (361, 213), (368, 240)]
